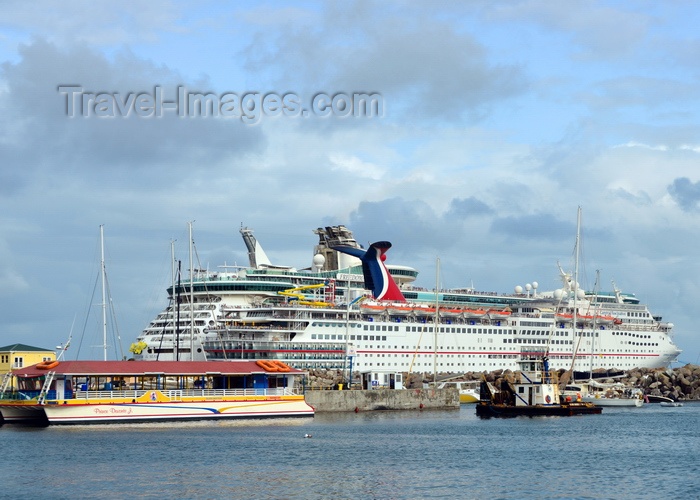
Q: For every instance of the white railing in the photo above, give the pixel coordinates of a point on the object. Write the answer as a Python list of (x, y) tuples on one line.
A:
[(177, 394)]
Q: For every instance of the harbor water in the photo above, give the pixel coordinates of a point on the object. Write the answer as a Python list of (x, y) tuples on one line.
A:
[(651, 452)]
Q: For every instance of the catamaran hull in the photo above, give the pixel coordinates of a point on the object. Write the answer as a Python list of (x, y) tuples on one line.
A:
[(22, 414), (55, 414)]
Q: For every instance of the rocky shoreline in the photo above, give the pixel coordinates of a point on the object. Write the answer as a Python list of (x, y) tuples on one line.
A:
[(678, 384)]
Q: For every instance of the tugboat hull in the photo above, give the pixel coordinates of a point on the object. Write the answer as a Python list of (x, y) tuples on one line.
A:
[(488, 410)]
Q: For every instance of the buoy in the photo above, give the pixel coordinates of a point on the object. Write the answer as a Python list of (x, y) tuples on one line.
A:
[(356, 409), (421, 406)]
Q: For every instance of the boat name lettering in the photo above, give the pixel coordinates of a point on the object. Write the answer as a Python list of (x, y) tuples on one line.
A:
[(113, 411)]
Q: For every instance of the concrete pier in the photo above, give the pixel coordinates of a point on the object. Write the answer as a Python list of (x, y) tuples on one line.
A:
[(383, 399)]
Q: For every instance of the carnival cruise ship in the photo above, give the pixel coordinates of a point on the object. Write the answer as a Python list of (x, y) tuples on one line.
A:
[(326, 317)]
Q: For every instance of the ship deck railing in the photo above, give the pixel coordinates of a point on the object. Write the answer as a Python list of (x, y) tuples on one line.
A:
[(175, 394), (134, 394)]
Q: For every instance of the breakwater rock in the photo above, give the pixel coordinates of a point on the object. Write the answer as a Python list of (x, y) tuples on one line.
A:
[(679, 384), (325, 379)]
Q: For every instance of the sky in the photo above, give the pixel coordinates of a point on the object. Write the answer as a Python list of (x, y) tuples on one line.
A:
[(492, 122)]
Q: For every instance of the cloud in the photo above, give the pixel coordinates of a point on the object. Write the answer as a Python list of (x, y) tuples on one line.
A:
[(685, 193), (355, 166), (533, 227), (395, 219), (96, 22), (40, 140), (428, 70), (467, 207), (596, 30)]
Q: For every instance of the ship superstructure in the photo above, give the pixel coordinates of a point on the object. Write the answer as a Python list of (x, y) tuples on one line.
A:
[(318, 318)]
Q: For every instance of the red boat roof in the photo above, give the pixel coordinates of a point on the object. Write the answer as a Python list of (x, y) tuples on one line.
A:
[(137, 368)]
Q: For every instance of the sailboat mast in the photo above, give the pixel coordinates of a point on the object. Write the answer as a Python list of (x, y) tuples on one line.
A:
[(576, 258), (437, 313), (593, 333), (177, 302), (189, 224), (104, 299), (173, 270)]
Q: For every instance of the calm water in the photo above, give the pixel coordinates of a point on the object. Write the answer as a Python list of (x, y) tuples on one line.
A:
[(652, 452)]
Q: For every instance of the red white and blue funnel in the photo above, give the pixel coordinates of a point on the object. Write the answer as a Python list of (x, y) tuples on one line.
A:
[(377, 277)]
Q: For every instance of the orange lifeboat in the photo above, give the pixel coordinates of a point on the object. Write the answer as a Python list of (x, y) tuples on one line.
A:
[(47, 365), (372, 308), (423, 310), (273, 365), (498, 313), (281, 367)]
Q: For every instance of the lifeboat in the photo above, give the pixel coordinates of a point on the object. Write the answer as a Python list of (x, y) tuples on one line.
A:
[(499, 313), (273, 365), (605, 320), (424, 311), (396, 310), (47, 365), (474, 313), (372, 309), (451, 313)]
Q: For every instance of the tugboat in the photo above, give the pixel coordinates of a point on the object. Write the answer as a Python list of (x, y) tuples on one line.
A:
[(535, 393)]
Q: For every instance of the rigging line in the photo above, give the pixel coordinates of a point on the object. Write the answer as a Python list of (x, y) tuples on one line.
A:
[(116, 337), (207, 298), (415, 352), (87, 316), (554, 323), (171, 306)]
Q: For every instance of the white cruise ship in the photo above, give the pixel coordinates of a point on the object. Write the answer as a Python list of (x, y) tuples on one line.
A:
[(312, 319)]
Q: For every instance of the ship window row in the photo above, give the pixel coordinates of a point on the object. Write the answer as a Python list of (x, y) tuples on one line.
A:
[(327, 336), (368, 337), (535, 341), (638, 314), (502, 331), (336, 325), (586, 334), (636, 335), (541, 324), (382, 328)]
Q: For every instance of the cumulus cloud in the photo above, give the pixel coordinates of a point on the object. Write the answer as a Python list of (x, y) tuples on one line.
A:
[(356, 166), (42, 139), (686, 193), (534, 227), (467, 207), (431, 69)]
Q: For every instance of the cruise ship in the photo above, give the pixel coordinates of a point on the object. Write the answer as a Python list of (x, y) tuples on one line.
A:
[(341, 313)]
